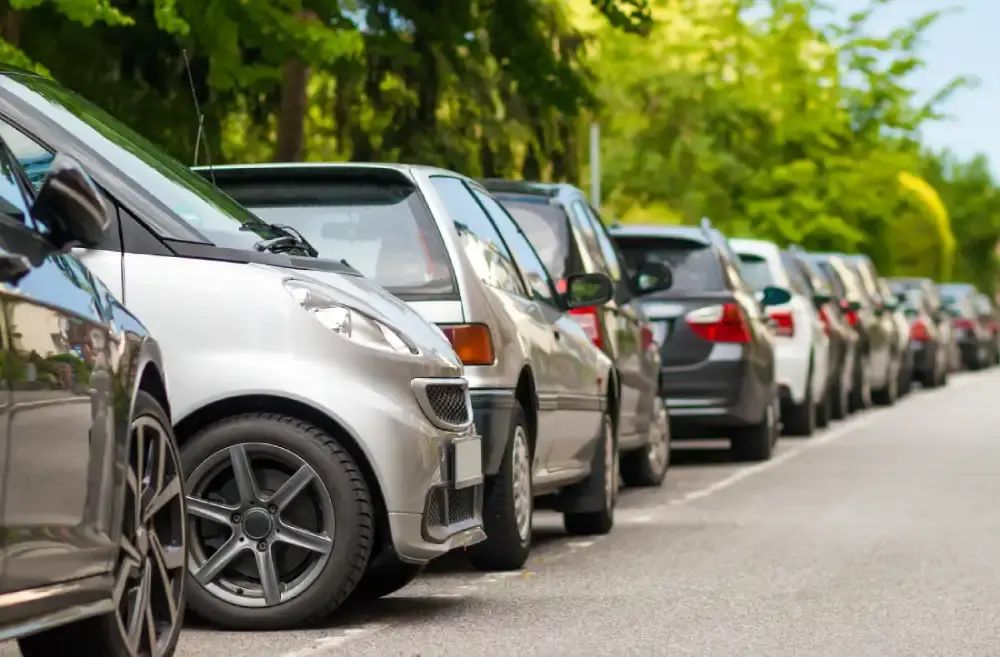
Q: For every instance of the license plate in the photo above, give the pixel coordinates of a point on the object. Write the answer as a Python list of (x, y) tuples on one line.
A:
[(467, 462), (661, 331)]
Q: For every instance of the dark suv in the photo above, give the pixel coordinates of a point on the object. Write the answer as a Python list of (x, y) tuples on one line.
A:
[(717, 347), (92, 507), (930, 329), (571, 239)]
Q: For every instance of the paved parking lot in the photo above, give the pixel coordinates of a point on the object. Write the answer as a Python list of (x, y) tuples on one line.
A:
[(878, 537)]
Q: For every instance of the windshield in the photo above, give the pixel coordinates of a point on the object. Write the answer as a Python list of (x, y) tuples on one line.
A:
[(546, 227), (695, 266), (374, 225), (202, 212)]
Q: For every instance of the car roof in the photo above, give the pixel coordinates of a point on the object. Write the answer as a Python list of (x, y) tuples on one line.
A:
[(562, 192), (291, 167), (757, 247), (692, 233)]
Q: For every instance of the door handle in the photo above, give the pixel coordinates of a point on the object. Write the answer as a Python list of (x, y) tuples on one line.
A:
[(13, 267)]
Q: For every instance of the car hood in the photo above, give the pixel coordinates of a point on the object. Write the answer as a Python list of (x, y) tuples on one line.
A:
[(363, 295)]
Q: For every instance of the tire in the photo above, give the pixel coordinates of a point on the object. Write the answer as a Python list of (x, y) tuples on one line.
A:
[(824, 409), (606, 467), (507, 505), (887, 395), (861, 392), (800, 419), (164, 536), (386, 573), (331, 511), (648, 465), (756, 442), (840, 405)]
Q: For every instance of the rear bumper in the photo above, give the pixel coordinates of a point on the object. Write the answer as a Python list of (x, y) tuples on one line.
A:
[(492, 410), (713, 394), (924, 355)]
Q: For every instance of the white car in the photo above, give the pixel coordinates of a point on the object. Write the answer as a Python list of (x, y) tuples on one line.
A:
[(801, 344)]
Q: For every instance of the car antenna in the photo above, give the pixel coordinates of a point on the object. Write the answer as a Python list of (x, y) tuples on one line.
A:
[(201, 120)]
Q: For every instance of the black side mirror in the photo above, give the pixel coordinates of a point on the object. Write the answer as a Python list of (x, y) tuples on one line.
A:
[(70, 205), (652, 277), (588, 290), (774, 296), (821, 299)]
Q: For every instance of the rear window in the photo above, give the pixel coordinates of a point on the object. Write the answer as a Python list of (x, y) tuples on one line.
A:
[(756, 271), (546, 227), (382, 228), (695, 266)]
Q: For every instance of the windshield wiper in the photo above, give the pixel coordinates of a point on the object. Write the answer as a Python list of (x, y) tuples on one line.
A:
[(290, 239), (309, 248)]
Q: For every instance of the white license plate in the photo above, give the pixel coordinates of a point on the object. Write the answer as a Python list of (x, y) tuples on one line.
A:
[(467, 462)]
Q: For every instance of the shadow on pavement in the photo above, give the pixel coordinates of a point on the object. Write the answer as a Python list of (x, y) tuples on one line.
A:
[(703, 453)]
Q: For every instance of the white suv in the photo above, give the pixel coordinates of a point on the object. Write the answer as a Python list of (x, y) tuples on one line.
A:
[(801, 346)]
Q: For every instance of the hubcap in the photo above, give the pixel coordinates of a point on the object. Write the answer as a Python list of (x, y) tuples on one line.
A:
[(521, 483), (658, 451), (262, 524), (149, 576)]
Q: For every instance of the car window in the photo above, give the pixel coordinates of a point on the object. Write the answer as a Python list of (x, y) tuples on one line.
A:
[(798, 275), (547, 228), (535, 274), (381, 227), (608, 251), (756, 271), (13, 202), (695, 265), (483, 246)]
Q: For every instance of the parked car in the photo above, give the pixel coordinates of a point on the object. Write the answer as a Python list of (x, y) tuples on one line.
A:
[(971, 333), (324, 427), (892, 306), (570, 238), (881, 330), (827, 295), (93, 505), (861, 317), (988, 318), (802, 348), (544, 398), (930, 329), (717, 349)]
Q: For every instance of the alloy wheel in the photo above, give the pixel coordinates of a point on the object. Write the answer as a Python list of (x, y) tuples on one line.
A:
[(521, 483), (149, 577), (658, 451), (261, 522)]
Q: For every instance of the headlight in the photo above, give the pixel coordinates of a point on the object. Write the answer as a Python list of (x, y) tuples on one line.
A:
[(347, 322)]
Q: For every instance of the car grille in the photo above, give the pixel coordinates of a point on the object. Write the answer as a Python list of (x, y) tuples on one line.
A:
[(449, 402), (449, 507)]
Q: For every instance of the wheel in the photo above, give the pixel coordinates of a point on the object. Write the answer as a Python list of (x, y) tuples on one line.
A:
[(648, 466), (280, 520), (600, 522), (149, 571), (386, 573), (507, 505), (840, 402), (800, 419), (824, 410), (887, 395), (861, 393), (756, 442)]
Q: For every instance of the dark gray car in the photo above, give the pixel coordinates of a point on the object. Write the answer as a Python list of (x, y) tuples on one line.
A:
[(93, 547)]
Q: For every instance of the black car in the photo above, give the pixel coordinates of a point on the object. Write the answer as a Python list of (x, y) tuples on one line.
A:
[(92, 506), (930, 329), (987, 312), (828, 294), (972, 333), (571, 239), (717, 347)]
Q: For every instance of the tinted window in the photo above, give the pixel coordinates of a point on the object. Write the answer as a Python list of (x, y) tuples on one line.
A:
[(756, 271), (695, 266), (527, 260), (604, 242), (381, 227), (487, 253), (585, 228), (798, 275), (12, 199), (547, 228)]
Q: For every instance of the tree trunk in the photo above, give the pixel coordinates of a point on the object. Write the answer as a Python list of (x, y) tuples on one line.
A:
[(292, 115), (11, 25)]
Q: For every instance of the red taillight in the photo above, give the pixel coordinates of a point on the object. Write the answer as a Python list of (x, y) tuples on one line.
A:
[(964, 324), (722, 323), (589, 318), (824, 316), (918, 331), (646, 338), (850, 314), (784, 323)]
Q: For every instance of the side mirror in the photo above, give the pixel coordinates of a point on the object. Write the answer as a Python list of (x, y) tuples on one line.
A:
[(588, 290), (851, 306), (652, 277), (70, 205), (774, 296), (821, 299)]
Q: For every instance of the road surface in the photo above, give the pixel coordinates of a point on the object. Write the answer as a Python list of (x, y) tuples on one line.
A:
[(880, 536)]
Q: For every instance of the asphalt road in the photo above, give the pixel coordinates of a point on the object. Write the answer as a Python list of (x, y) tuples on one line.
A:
[(880, 536)]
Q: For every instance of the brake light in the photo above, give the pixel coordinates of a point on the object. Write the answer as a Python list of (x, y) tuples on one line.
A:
[(720, 323), (918, 331), (784, 323), (964, 324), (646, 338), (850, 315), (824, 316), (471, 342), (588, 317)]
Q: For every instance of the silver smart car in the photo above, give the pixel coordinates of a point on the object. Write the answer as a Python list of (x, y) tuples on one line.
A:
[(325, 428), (545, 398)]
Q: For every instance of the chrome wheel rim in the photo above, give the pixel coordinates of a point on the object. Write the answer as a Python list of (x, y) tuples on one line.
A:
[(521, 483), (149, 575), (262, 525), (658, 452), (610, 466)]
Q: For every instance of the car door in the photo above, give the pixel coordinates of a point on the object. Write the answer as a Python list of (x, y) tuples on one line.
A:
[(574, 357), (60, 420)]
